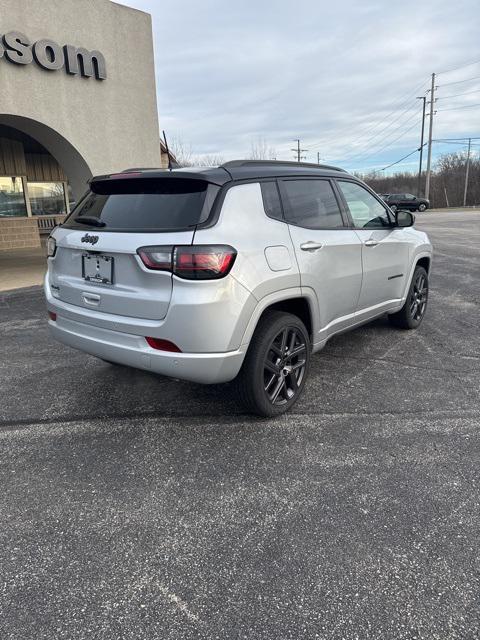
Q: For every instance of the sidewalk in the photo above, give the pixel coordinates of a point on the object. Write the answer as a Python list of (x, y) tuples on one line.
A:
[(22, 268)]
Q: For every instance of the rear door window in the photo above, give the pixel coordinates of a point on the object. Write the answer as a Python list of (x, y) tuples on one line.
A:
[(144, 204), (311, 204)]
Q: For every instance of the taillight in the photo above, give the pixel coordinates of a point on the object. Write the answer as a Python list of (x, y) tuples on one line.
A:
[(203, 262), (192, 262), (159, 258), (52, 316), (163, 345)]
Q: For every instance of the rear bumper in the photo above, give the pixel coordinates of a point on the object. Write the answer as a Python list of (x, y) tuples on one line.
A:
[(132, 350)]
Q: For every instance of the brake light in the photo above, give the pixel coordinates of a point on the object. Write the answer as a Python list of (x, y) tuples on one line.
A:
[(163, 345), (191, 262), (52, 316), (125, 174), (203, 262)]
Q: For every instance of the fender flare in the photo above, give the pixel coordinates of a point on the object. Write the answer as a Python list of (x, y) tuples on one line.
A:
[(281, 296), (417, 257)]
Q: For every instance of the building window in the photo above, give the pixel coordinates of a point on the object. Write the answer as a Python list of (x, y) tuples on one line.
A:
[(47, 198), (12, 198)]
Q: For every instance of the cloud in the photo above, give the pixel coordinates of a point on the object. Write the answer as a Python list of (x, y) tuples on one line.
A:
[(332, 74)]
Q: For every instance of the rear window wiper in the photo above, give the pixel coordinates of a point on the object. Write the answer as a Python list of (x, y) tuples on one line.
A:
[(95, 222)]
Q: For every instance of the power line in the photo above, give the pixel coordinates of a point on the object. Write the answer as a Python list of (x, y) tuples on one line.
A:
[(401, 103), (447, 84), (360, 155), (451, 139), (464, 143), (367, 144), (456, 95), (462, 66), (404, 157), (467, 106), (425, 144), (370, 142)]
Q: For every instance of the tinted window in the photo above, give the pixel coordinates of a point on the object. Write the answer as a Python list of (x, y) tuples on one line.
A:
[(271, 200), (311, 204), (366, 211), (146, 204)]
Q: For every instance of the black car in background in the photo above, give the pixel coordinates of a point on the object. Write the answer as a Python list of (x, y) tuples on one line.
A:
[(407, 201)]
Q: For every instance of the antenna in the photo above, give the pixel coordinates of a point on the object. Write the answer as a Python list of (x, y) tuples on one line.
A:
[(170, 167)]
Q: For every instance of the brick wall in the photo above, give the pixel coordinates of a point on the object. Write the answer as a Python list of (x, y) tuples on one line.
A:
[(16, 233)]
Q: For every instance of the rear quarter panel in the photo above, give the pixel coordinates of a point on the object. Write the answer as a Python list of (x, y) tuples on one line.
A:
[(265, 260)]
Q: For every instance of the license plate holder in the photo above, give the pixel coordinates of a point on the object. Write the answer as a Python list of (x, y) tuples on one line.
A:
[(97, 268)]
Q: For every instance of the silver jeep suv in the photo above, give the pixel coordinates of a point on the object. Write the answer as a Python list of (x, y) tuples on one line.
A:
[(240, 271)]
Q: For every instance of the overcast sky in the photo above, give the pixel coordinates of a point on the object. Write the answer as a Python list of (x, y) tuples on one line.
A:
[(342, 76)]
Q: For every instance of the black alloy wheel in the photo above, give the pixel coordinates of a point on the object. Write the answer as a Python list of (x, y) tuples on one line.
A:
[(284, 365), (276, 365), (411, 314), (418, 296)]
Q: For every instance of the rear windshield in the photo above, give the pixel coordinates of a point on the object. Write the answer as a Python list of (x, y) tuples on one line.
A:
[(144, 204)]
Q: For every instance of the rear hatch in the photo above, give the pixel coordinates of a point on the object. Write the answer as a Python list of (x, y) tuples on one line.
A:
[(96, 264)]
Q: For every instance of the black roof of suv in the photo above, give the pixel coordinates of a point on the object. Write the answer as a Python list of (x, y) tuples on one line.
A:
[(234, 170)]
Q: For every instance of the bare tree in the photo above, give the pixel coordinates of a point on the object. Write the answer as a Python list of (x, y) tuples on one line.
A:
[(185, 156), (448, 181), (182, 151), (260, 150), (208, 160)]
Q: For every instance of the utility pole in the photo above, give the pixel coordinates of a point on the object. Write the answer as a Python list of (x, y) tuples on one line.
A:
[(419, 187), (298, 151), (430, 132), (318, 157), (467, 170), (446, 195)]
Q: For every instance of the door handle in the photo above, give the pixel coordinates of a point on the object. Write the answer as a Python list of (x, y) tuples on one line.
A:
[(311, 246), (371, 243)]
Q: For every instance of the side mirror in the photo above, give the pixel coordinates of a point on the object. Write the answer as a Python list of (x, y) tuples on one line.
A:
[(404, 218)]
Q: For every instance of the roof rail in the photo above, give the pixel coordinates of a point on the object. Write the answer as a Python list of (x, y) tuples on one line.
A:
[(285, 163)]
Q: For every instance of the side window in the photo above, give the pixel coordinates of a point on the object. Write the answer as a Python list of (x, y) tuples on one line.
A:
[(366, 211), (311, 204), (271, 200)]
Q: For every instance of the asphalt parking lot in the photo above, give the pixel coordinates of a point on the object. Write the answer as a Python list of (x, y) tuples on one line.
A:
[(136, 507)]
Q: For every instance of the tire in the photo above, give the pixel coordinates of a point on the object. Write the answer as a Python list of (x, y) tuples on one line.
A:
[(422, 207), (394, 208), (412, 313), (272, 379)]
